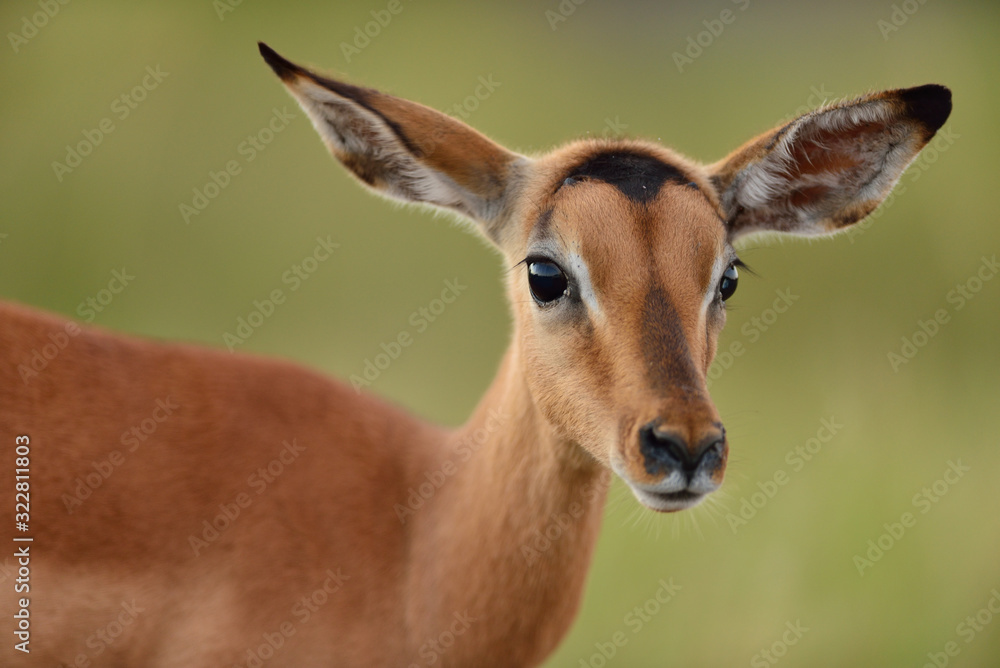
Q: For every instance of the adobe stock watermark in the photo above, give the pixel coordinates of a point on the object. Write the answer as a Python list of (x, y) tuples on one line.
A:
[(248, 150), (121, 108), (223, 7), (32, 24), (293, 277), (613, 128), (41, 357), (107, 635), (796, 458), (790, 637), (435, 647), (434, 480), (230, 511), (562, 12), (302, 611), (959, 296), (419, 321), (942, 141), (85, 485), (968, 630), (543, 538), (91, 306), (923, 501), (899, 17), (698, 43), (364, 34), (485, 87), (752, 330), (58, 340), (636, 620)]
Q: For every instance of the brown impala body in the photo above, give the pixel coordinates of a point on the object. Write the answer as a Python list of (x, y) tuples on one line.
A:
[(193, 508)]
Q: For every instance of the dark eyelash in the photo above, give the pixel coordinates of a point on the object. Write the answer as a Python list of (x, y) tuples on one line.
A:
[(740, 264)]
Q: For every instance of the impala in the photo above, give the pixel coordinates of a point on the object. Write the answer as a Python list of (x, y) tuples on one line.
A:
[(266, 515)]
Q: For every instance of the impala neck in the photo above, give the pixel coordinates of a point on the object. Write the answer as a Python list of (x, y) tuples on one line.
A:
[(518, 519)]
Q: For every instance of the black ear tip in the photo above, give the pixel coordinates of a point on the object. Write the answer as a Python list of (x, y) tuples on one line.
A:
[(285, 69), (930, 104)]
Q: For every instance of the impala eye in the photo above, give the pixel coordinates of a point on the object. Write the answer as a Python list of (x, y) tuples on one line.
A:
[(727, 286), (546, 280)]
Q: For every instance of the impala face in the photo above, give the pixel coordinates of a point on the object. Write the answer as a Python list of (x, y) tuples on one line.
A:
[(622, 250), (623, 270)]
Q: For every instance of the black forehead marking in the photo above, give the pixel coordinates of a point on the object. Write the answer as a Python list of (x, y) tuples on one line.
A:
[(638, 176), (664, 346)]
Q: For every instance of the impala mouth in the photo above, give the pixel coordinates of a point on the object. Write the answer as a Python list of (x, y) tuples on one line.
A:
[(678, 490), (668, 502)]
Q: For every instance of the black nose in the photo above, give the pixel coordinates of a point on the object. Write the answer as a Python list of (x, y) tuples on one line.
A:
[(665, 450)]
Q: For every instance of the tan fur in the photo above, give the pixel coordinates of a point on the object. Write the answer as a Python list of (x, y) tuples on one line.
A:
[(468, 565)]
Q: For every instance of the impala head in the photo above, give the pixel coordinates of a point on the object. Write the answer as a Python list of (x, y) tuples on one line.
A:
[(622, 251)]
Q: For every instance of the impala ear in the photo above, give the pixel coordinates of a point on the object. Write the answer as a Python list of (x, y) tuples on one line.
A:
[(405, 150), (830, 168)]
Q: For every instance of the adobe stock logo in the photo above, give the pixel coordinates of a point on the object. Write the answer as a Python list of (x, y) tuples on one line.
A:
[(697, 44), (31, 25), (796, 458), (419, 320), (924, 500), (372, 29), (636, 620), (959, 297), (968, 630), (121, 107)]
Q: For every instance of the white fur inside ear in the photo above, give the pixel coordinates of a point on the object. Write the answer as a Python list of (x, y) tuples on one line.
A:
[(876, 162), (349, 129)]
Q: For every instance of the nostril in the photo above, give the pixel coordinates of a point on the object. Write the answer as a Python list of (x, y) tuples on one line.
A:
[(663, 452), (666, 451), (710, 451)]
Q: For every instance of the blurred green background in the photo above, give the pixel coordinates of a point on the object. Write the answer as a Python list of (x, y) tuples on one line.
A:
[(608, 68)]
